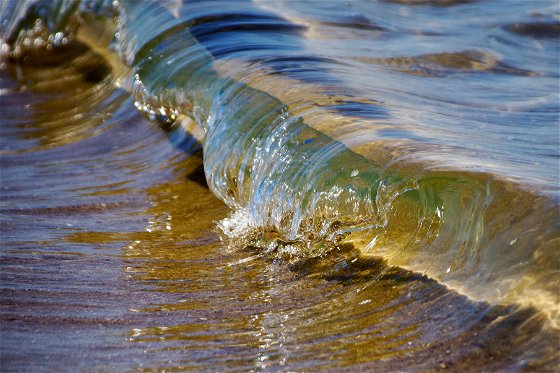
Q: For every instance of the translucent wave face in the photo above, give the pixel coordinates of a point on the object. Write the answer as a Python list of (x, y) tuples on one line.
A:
[(326, 163), (340, 158)]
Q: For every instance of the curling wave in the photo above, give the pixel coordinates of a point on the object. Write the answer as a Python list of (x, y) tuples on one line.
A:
[(310, 158)]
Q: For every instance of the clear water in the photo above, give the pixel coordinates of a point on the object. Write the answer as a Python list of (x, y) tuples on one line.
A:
[(389, 171)]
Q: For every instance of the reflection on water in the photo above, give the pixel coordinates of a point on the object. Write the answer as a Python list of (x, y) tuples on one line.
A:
[(111, 259)]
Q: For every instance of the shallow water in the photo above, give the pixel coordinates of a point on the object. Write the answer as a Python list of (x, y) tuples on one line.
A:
[(389, 173)]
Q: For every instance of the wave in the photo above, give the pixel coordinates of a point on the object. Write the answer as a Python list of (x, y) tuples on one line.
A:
[(309, 161)]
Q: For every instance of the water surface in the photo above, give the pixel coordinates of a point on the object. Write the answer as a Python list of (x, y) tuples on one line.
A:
[(279, 186)]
